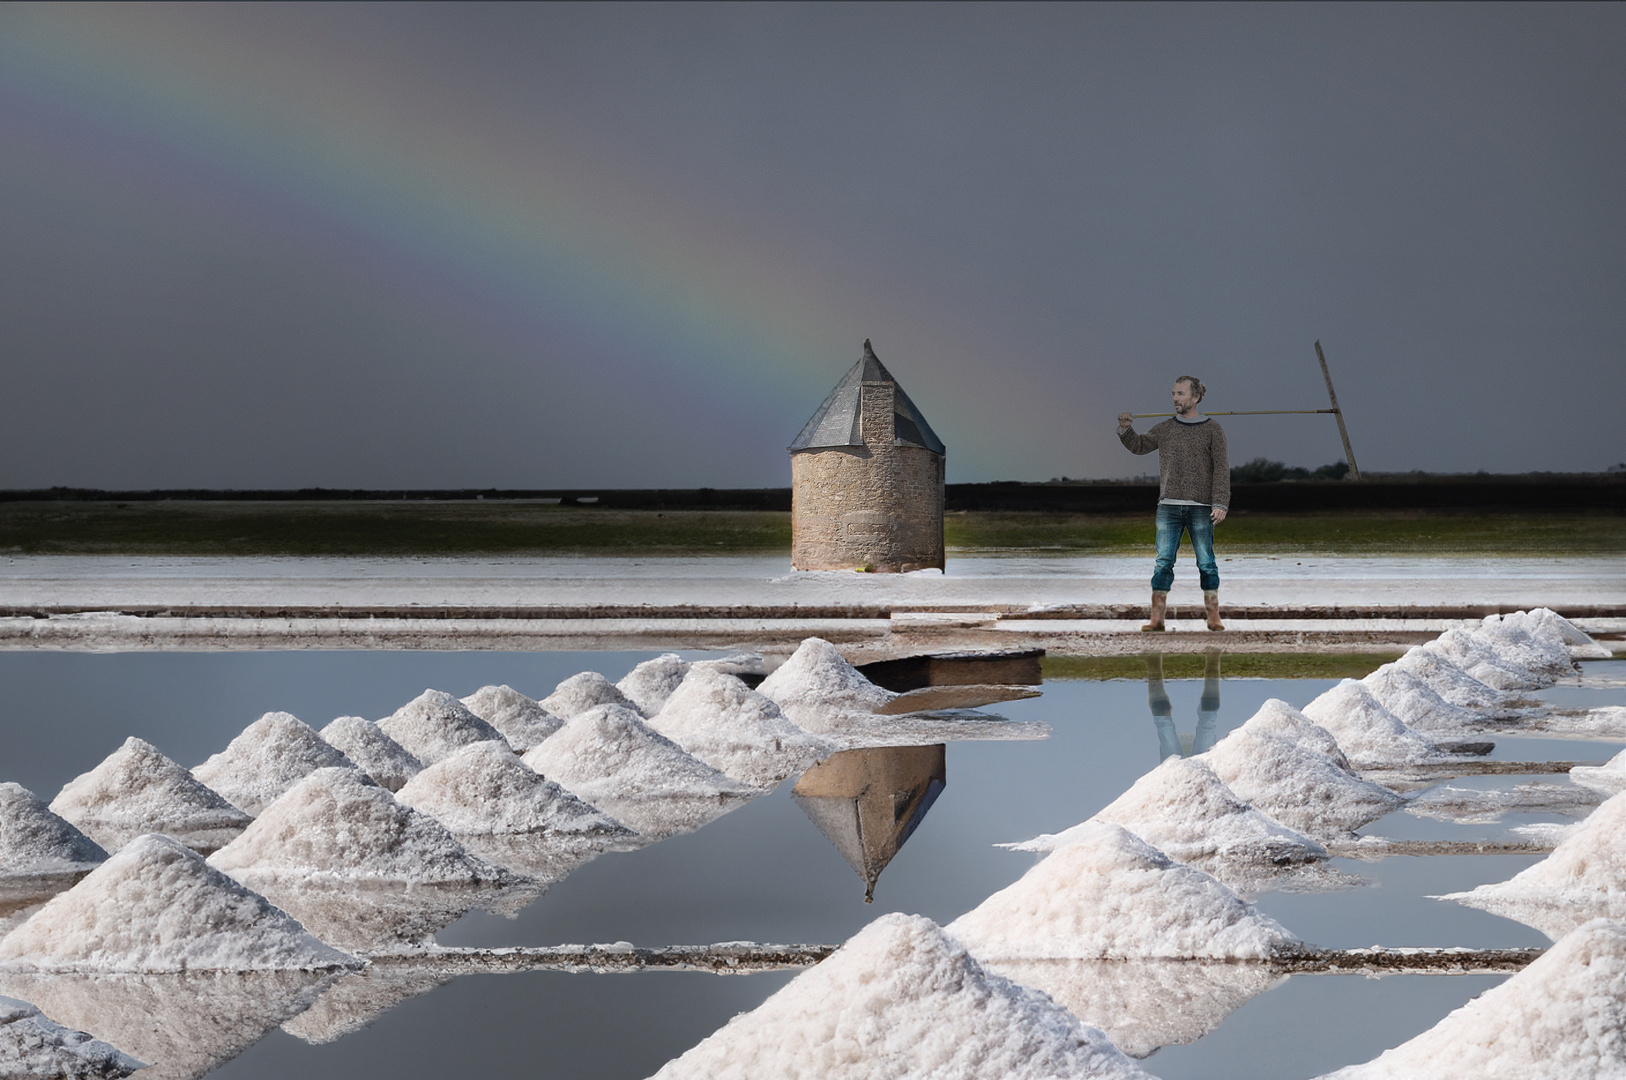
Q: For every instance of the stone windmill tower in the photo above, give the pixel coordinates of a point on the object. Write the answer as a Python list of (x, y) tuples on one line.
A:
[(867, 479)]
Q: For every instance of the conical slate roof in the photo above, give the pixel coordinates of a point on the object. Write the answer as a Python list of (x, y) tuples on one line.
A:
[(867, 803), (836, 421)]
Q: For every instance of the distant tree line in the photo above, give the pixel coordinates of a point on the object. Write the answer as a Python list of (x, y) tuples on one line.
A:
[(1264, 471)]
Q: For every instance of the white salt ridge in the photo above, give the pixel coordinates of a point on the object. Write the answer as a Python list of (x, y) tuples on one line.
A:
[(609, 752), (156, 906), (138, 790), (1584, 878), (649, 684), (338, 824), (1528, 644), (1416, 703), (1609, 777), (484, 789), (584, 691), (435, 724), (1370, 735), (33, 1045), (1455, 685), (1109, 894), (736, 730), (902, 1000), (521, 720), (1275, 761), (372, 751), (271, 755), (1479, 659), (1185, 811), (817, 688), (36, 842), (1561, 1018)]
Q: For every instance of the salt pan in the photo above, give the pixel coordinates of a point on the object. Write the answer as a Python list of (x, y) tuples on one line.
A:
[(1484, 663), (138, 790), (1561, 1018), (816, 686), (32, 1045), (584, 691), (35, 842), (1455, 685), (271, 755), (1609, 777), (434, 724), (649, 684), (372, 751), (521, 720), (1370, 735), (903, 1000), (155, 906), (735, 730), (1415, 702)]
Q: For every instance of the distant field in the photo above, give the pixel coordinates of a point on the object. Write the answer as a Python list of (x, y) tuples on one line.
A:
[(503, 527)]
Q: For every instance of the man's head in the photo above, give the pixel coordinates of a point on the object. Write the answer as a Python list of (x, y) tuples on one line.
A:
[(1188, 391)]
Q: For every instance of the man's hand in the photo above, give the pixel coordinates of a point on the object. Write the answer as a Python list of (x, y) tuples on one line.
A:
[(1124, 421), (1218, 514)]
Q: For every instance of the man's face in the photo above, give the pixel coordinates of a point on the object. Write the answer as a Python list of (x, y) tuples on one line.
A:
[(1184, 399)]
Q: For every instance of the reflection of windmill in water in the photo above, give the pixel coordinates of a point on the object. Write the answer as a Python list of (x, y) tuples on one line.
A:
[(868, 802)]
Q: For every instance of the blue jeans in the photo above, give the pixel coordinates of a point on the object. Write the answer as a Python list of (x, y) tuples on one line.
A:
[(1195, 522)]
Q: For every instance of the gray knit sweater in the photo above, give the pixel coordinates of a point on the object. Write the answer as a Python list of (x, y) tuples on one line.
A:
[(1191, 462)]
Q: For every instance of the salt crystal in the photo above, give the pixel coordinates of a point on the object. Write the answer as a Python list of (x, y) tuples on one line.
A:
[(736, 730), (816, 686), (1527, 644), (372, 751), (156, 906), (1453, 684), (1550, 626), (33, 1045), (1415, 702), (584, 691), (271, 755), (435, 724), (902, 1000), (36, 842), (138, 790), (1484, 663), (1370, 735), (649, 684), (1110, 894), (1561, 1018), (1276, 717), (1609, 777), (521, 720)]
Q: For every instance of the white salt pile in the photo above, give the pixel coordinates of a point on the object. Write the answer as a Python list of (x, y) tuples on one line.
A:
[(584, 691), (32, 1045), (435, 724), (816, 688), (138, 790), (1270, 764), (1528, 644), (1371, 736), (1185, 811), (1455, 685), (1550, 625), (1609, 777), (1111, 894), (649, 684), (156, 906), (35, 842), (271, 755), (1479, 659), (372, 751), (521, 720), (1584, 878), (1561, 1018), (902, 1000), (1415, 702), (736, 730)]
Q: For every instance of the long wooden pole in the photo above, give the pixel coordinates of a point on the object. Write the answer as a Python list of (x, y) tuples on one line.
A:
[(1343, 432), (1249, 412)]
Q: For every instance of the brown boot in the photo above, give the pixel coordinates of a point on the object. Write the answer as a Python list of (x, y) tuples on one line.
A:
[(1160, 602), (1211, 606)]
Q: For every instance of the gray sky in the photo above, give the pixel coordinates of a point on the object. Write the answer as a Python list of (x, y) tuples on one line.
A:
[(534, 245)]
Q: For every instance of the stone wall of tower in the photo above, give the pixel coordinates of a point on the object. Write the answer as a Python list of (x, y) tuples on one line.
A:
[(878, 506)]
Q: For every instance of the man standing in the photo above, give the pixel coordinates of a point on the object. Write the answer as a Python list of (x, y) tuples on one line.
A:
[(1193, 492)]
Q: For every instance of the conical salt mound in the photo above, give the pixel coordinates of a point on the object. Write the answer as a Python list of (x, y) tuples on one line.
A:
[(156, 906), (1415, 702), (1110, 894), (521, 720), (649, 684), (1550, 626), (1481, 661), (736, 730), (1184, 810), (1453, 684), (36, 842), (31, 1045), (138, 790), (271, 755), (1371, 736), (1528, 645), (817, 685), (901, 1000), (435, 724), (372, 751), (1609, 777), (1561, 1018), (584, 691), (1584, 878)]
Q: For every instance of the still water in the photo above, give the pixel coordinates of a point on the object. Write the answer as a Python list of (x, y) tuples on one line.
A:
[(766, 873)]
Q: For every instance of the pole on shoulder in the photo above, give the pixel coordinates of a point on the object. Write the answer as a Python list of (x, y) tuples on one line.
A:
[(1343, 432)]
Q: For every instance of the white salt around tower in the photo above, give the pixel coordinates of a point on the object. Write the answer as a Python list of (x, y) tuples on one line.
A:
[(435, 724), (522, 721), (372, 751), (1561, 1018), (900, 1000), (32, 1045), (137, 790), (649, 684), (1109, 894), (1416, 703), (736, 730), (271, 755), (583, 691), (37, 843), (1609, 777), (1455, 685), (156, 906), (817, 687), (1481, 661), (1371, 736)]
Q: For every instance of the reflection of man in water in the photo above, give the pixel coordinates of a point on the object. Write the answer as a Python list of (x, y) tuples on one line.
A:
[(1169, 742)]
